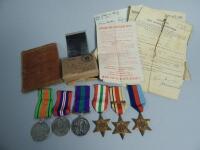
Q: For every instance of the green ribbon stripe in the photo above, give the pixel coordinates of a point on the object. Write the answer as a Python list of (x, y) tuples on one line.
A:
[(81, 102), (50, 105), (37, 108), (100, 99), (40, 101)]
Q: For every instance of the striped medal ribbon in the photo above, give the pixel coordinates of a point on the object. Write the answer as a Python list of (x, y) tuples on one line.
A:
[(100, 104), (44, 105), (80, 126), (136, 96), (61, 124), (82, 99), (101, 98), (63, 103), (43, 110), (118, 104), (137, 101)]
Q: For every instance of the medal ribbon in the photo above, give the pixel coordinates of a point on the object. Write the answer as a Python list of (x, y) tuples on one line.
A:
[(44, 105), (136, 96), (63, 103), (82, 98), (118, 103), (101, 97)]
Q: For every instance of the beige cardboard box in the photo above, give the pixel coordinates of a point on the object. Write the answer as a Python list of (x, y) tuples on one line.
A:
[(79, 68)]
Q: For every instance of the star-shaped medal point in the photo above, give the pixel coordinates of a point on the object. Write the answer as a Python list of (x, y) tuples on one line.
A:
[(121, 127), (141, 124), (101, 125)]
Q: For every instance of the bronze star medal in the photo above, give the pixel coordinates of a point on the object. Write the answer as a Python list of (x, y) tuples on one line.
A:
[(141, 124), (121, 127), (101, 125)]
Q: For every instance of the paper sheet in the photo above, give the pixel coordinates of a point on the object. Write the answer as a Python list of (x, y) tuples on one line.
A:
[(119, 60), (168, 66), (115, 16), (187, 75), (149, 25), (154, 45), (134, 10), (112, 16)]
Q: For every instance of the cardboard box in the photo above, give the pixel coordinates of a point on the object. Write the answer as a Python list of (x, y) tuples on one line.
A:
[(79, 68)]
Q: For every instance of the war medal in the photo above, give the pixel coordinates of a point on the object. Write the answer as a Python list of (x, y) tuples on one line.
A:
[(61, 125), (100, 104), (43, 110), (80, 126), (137, 101), (118, 104)]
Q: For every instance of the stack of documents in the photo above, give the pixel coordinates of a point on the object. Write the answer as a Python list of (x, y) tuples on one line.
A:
[(142, 45)]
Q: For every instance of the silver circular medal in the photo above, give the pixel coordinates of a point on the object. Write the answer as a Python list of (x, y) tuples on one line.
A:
[(60, 126), (40, 131), (80, 126)]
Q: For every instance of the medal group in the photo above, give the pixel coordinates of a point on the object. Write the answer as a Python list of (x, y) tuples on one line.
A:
[(138, 49), (103, 97)]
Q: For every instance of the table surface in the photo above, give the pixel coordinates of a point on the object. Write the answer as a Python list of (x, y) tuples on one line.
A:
[(25, 24)]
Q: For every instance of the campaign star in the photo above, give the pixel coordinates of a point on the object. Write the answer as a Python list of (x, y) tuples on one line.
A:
[(101, 125), (121, 127), (141, 124)]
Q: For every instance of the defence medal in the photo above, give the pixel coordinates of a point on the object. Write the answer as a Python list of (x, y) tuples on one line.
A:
[(61, 125), (100, 104), (43, 110), (118, 104), (137, 101), (80, 126)]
